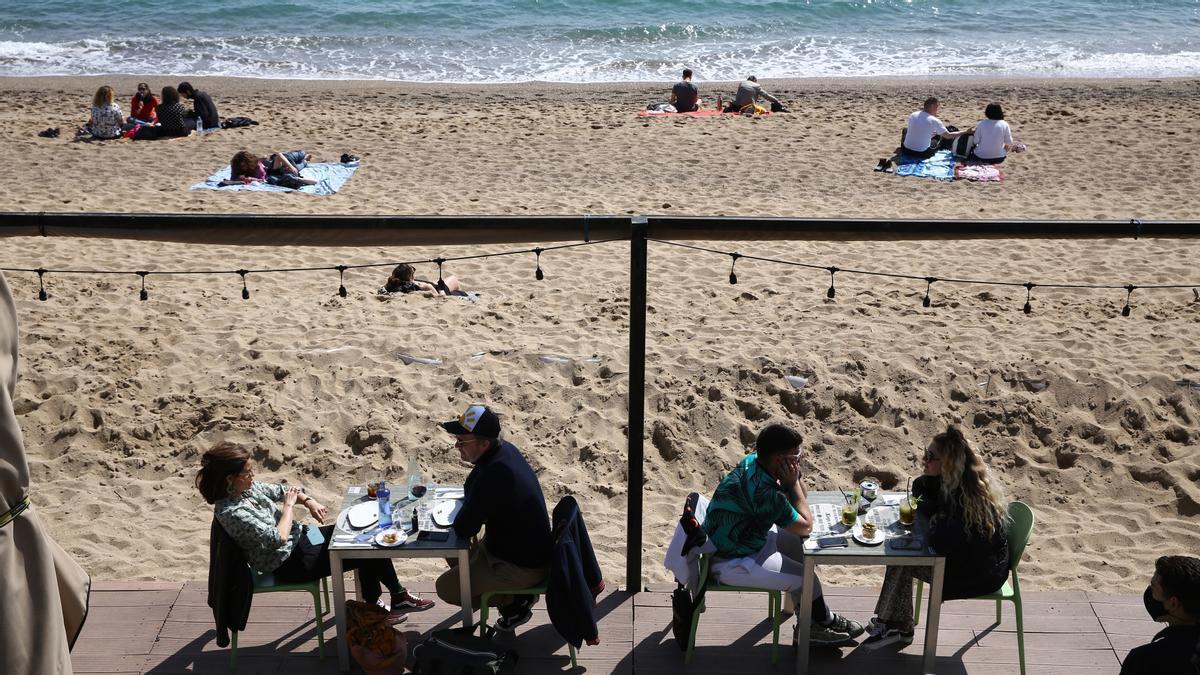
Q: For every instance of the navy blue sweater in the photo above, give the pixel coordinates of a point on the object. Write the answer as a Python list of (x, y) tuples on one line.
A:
[(503, 493)]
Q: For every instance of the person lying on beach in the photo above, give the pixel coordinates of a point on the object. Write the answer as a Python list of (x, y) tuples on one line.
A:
[(757, 519), (403, 280), (1173, 598), (204, 108), (968, 523), (279, 168), (684, 95), (993, 138), (105, 117), (272, 542), (143, 105), (749, 93)]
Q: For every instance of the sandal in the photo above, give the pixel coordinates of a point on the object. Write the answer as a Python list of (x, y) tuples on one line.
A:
[(349, 159)]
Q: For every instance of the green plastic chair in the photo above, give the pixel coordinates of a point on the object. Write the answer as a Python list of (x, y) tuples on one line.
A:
[(265, 583), (532, 590), (1018, 538), (710, 585)]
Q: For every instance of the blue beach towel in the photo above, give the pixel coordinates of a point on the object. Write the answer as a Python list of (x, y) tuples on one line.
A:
[(940, 166), (330, 179)]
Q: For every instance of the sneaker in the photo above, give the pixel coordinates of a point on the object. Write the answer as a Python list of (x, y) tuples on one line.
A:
[(882, 635), (518, 613), (394, 618), (407, 602), (838, 631)]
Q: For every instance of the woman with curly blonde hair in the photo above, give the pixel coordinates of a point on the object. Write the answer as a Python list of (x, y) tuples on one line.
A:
[(968, 523)]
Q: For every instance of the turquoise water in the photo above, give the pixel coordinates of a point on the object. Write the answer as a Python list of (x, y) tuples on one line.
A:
[(600, 40)]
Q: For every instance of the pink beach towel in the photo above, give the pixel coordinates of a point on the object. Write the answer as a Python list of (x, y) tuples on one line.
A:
[(983, 173), (703, 112)]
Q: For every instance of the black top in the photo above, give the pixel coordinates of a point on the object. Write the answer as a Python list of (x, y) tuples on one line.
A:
[(1169, 653), (975, 564), (172, 119), (503, 493), (206, 110), (686, 95)]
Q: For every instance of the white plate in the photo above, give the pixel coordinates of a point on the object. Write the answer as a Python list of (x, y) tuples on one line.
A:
[(879, 536), (363, 515), (401, 537), (449, 493), (443, 512)]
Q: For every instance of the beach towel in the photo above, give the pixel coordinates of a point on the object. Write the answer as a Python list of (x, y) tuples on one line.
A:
[(940, 166), (984, 173), (330, 179)]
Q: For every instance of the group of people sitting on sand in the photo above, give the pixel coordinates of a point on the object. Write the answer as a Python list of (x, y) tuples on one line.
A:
[(987, 142), (149, 116), (759, 517), (685, 98)]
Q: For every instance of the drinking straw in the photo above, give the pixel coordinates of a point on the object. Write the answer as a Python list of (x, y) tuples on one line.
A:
[(907, 487), (846, 496)]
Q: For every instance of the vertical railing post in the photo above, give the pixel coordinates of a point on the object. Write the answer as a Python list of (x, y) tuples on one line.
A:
[(637, 402)]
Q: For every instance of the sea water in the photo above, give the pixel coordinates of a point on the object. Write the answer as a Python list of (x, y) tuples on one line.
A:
[(600, 40)]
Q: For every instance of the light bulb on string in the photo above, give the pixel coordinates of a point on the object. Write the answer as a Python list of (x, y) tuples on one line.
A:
[(441, 284), (925, 302), (144, 295), (733, 262), (537, 258), (1028, 308), (1129, 289), (341, 270), (245, 290), (42, 294), (832, 291)]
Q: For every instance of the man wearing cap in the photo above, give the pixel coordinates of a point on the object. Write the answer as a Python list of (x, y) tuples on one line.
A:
[(502, 493)]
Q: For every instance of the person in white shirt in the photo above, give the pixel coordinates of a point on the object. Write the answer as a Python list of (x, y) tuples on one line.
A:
[(923, 126), (993, 137)]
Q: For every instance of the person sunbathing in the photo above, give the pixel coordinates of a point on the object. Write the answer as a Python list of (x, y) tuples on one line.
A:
[(272, 542), (968, 523), (403, 280), (279, 168)]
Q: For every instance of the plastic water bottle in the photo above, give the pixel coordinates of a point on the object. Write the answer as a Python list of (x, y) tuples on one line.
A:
[(199, 126), (384, 497)]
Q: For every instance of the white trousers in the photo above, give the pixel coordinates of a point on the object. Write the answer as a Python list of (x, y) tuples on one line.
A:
[(778, 566)]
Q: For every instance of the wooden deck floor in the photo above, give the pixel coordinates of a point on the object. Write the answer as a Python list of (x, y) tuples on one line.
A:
[(141, 627)]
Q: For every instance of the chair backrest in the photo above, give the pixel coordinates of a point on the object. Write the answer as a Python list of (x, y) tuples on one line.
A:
[(1018, 531)]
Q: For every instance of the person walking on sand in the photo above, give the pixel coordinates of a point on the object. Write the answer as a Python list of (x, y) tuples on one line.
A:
[(203, 106), (750, 92), (757, 519), (684, 95), (503, 494)]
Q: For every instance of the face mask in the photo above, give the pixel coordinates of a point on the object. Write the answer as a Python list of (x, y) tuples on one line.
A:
[(1154, 608)]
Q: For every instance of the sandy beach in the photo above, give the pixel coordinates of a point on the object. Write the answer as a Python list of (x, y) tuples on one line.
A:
[(1078, 410)]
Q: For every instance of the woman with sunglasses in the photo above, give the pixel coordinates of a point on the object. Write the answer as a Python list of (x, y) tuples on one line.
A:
[(968, 523), (272, 542), (142, 107)]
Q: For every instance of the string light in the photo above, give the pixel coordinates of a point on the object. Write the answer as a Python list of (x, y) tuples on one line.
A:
[(341, 270), (928, 282), (1129, 289), (926, 300), (733, 262), (42, 294), (537, 261), (245, 290), (144, 295)]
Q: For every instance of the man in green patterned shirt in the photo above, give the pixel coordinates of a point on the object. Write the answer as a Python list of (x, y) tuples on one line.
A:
[(761, 497)]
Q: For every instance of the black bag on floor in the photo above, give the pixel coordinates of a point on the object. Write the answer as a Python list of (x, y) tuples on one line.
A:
[(458, 651), (683, 607)]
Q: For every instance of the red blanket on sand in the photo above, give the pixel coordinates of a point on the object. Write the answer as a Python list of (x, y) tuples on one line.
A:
[(703, 112)]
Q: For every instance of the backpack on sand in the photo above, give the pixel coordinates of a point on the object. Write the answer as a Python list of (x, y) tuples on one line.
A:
[(458, 651)]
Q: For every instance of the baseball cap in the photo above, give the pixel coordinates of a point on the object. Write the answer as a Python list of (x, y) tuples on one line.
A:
[(478, 420)]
